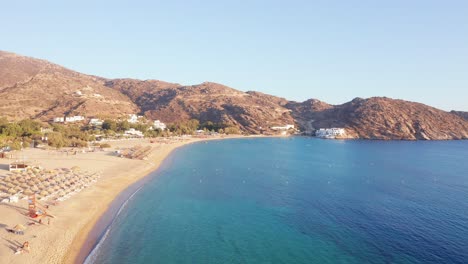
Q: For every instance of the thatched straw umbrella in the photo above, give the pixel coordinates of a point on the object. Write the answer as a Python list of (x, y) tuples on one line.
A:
[(18, 188), (12, 191), (35, 188), (9, 185), (19, 229), (28, 192), (44, 193), (24, 186)]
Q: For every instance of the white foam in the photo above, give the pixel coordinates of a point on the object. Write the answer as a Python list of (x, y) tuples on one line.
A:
[(91, 258)]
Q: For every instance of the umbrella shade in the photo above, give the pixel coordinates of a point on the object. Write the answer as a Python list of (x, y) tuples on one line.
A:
[(9, 185), (44, 193), (19, 227), (18, 188), (35, 188), (28, 192), (24, 186), (11, 191)]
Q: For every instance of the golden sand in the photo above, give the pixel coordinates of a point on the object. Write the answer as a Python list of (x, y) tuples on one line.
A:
[(61, 240)]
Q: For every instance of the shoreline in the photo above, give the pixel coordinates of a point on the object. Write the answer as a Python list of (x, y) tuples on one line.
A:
[(90, 234)]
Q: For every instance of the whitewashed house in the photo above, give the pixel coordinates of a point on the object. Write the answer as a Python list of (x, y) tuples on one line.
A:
[(133, 133), (72, 119), (286, 127), (59, 119), (159, 125), (132, 118), (95, 122), (330, 132)]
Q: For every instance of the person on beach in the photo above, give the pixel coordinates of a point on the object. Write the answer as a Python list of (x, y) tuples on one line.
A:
[(23, 248)]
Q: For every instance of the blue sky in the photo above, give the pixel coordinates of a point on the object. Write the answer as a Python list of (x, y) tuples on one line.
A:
[(329, 50)]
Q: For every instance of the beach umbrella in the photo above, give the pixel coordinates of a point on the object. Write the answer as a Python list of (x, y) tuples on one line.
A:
[(9, 185), (18, 188), (44, 193), (46, 184), (24, 186), (75, 168), (19, 228), (56, 187), (35, 188), (12, 191), (28, 192)]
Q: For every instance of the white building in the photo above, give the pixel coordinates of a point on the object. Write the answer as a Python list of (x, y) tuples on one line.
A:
[(133, 133), (286, 127), (95, 122), (132, 118), (330, 132), (159, 125), (74, 118), (59, 119)]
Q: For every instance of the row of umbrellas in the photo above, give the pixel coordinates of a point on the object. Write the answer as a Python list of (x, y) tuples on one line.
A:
[(46, 182)]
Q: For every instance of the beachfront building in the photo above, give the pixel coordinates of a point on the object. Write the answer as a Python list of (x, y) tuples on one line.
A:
[(159, 125), (18, 166), (133, 133), (280, 128), (330, 132)]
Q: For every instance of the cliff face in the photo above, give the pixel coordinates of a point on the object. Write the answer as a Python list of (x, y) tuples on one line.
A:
[(32, 88)]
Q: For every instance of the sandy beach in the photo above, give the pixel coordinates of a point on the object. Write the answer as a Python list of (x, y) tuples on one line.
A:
[(61, 240)]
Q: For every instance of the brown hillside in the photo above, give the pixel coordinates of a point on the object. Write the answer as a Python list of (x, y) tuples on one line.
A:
[(34, 88), (384, 118)]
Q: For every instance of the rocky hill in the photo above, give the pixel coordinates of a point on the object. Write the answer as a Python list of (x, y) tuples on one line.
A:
[(382, 118), (461, 114), (169, 102), (32, 88)]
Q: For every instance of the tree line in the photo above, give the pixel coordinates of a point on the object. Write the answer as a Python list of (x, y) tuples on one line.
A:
[(27, 132)]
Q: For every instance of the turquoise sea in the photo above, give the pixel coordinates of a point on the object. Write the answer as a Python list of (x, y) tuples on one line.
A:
[(298, 200)]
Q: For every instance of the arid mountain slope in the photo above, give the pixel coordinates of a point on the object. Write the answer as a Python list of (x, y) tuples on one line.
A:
[(382, 118), (168, 102), (32, 88), (461, 114)]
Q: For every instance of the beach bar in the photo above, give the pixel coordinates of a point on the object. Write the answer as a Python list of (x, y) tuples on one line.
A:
[(18, 166)]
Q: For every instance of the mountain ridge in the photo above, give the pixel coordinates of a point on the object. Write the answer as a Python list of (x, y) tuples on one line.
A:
[(38, 89)]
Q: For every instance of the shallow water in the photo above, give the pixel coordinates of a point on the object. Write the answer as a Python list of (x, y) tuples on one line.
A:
[(298, 200)]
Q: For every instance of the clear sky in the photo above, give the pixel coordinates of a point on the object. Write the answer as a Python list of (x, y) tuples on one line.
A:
[(329, 50)]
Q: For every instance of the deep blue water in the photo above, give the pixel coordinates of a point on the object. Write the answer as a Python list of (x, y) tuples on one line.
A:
[(299, 200)]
